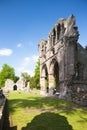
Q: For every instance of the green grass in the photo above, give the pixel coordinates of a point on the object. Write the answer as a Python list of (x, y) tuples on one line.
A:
[(32, 112)]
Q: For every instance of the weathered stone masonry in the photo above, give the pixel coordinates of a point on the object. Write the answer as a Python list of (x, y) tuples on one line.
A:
[(63, 62)]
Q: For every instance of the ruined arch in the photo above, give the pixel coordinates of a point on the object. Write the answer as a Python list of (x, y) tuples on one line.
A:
[(15, 87), (65, 61), (44, 70), (53, 75), (44, 79)]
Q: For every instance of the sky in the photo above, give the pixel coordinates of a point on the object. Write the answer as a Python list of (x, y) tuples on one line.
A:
[(24, 22)]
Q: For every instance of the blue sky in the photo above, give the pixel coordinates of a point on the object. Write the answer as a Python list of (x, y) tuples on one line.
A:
[(24, 22)]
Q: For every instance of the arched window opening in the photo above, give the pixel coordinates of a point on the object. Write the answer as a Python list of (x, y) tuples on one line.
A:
[(15, 87), (56, 75)]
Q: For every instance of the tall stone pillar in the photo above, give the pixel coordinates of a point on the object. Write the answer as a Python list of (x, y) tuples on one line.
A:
[(51, 84), (43, 85)]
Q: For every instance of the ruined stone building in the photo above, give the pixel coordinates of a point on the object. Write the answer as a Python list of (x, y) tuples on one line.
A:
[(19, 85), (63, 62)]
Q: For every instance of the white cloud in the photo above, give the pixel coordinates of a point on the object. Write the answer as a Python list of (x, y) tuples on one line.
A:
[(5, 52), (24, 65), (26, 61), (19, 45), (28, 65), (30, 72), (35, 58), (24, 69)]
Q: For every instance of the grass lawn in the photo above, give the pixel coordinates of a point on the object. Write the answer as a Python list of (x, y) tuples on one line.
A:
[(29, 111)]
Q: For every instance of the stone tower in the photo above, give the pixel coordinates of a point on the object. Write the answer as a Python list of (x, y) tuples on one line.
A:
[(63, 62)]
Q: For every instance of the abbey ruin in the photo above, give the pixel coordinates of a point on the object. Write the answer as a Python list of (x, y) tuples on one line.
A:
[(63, 62)]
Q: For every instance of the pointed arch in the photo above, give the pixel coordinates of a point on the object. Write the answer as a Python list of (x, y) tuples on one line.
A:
[(15, 87), (44, 70), (54, 75), (44, 78)]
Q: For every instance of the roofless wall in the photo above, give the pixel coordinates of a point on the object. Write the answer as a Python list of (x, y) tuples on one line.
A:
[(63, 62)]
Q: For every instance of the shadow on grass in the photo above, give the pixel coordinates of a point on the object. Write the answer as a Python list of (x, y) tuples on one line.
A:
[(6, 121), (38, 103), (48, 121)]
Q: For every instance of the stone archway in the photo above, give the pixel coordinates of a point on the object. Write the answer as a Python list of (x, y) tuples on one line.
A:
[(53, 76), (44, 80), (56, 76), (15, 87)]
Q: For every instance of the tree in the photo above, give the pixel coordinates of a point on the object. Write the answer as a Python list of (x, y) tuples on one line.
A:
[(7, 72), (26, 76), (16, 78), (32, 82), (37, 75)]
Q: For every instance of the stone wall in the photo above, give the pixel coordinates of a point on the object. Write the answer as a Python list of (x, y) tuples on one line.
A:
[(2, 108), (19, 85), (82, 60), (63, 61), (79, 92)]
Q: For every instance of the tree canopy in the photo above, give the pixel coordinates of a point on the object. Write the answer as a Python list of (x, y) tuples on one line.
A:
[(37, 74), (7, 72), (26, 76), (35, 80)]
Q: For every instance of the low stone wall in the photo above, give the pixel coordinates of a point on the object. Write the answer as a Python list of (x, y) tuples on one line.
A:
[(79, 92), (2, 107)]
